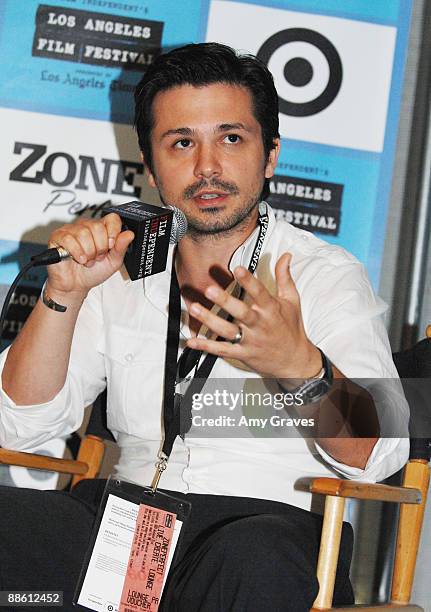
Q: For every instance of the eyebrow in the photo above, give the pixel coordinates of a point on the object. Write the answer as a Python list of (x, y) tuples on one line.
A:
[(226, 127), (182, 131), (222, 127)]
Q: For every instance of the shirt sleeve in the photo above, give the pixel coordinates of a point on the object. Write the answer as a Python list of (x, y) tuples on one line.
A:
[(387, 457), (24, 428), (343, 317)]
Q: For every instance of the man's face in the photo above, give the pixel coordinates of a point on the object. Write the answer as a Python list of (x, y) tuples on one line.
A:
[(208, 156)]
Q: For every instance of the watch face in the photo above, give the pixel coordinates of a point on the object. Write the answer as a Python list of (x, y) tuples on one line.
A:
[(315, 390)]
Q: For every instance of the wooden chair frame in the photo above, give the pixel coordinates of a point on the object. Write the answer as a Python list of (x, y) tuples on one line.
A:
[(86, 465), (411, 495)]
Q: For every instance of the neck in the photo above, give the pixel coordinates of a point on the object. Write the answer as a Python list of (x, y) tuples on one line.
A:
[(203, 260)]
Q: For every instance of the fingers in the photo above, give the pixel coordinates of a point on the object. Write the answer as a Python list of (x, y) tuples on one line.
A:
[(70, 243), (255, 289), (238, 309), (113, 225), (222, 328), (90, 240), (215, 347), (286, 288), (121, 245)]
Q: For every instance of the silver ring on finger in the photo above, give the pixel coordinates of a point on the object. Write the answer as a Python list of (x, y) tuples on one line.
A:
[(238, 337)]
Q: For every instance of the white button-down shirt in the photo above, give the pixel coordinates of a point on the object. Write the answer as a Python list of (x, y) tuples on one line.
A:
[(120, 337)]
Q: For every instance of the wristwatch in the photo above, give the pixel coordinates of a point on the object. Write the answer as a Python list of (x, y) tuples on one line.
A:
[(313, 389)]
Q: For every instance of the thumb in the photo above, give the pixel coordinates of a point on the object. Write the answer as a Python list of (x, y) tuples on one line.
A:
[(121, 245), (285, 285)]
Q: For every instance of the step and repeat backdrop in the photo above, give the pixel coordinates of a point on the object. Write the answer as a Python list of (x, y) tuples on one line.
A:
[(67, 149)]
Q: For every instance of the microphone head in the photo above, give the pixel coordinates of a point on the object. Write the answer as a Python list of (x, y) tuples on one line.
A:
[(179, 225), (155, 227)]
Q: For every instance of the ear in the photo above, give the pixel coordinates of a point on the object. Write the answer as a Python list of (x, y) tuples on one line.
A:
[(148, 173), (272, 160)]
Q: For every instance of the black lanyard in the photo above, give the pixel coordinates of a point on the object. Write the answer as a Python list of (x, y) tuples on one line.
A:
[(177, 408)]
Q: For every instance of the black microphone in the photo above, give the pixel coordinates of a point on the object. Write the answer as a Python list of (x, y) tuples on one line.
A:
[(154, 228)]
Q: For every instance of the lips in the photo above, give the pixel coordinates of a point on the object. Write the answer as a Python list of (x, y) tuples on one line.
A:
[(208, 196), (210, 199)]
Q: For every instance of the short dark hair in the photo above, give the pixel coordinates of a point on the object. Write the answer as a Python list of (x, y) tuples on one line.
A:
[(204, 64)]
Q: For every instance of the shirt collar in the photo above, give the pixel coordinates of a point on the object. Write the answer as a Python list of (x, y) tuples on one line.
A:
[(157, 287), (243, 254)]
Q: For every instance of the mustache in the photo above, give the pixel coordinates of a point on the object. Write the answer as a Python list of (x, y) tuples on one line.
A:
[(192, 190)]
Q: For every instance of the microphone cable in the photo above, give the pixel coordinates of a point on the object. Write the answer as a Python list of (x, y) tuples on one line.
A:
[(10, 293), (56, 254), (46, 258)]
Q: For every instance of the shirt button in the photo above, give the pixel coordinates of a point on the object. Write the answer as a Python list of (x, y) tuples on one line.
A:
[(129, 357), (304, 237)]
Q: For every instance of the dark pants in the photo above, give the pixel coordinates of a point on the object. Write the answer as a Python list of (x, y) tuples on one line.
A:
[(236, 554)]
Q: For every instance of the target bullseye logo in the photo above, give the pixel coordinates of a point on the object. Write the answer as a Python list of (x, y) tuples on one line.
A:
[(307, 70)]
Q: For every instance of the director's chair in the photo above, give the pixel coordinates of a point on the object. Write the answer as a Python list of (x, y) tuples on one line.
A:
[(413, 363), (90, 454), (412, 496)]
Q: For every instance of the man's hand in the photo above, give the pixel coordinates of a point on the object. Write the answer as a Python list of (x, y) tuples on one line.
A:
[(97, 249), (273, 342)]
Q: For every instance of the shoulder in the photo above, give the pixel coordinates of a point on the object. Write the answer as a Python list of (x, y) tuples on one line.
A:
[(331, 282), (316, 265), (340, 311), (305, 245)]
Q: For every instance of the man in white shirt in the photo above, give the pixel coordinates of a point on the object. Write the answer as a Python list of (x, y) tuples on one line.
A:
[(207, 123)]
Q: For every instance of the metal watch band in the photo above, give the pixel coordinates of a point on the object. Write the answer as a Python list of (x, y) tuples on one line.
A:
[(313, 389)]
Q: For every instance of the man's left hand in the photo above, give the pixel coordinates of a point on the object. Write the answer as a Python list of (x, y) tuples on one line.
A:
[(273, 340)]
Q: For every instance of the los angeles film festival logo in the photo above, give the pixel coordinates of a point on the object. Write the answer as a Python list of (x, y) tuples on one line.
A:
[(311, 205), (96, 38)]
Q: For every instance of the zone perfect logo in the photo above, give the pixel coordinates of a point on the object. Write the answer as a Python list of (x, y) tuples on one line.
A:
[(61, 169)]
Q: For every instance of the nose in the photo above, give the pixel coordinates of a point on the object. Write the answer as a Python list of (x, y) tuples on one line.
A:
[(207, 163)]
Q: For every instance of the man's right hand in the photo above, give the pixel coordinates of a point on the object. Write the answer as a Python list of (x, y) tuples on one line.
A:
[(97, 249)]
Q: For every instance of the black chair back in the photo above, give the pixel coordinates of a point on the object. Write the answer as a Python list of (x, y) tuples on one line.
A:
[(414, 369), (97, 424)]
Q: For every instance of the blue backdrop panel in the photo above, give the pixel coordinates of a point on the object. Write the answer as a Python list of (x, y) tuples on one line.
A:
[(14, 256), (338, 68), (83, 58)]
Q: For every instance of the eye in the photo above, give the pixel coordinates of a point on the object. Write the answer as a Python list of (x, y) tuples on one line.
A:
[(184, 143), (232, 138)]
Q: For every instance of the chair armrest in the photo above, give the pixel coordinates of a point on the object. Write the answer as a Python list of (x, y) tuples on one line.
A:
[(365, 490), (42, 462)]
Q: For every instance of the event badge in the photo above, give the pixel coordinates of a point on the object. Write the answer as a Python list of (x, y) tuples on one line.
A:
[(131, 549)]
